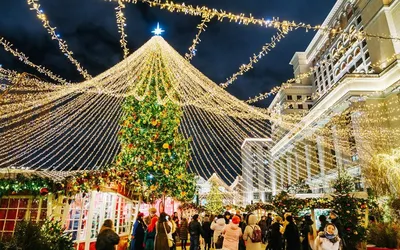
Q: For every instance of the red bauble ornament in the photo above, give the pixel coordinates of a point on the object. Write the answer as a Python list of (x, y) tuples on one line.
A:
[(44, 191)]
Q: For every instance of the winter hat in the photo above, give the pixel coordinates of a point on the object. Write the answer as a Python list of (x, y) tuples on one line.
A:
[(235, 220)]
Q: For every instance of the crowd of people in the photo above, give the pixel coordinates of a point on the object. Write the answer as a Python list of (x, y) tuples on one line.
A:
[(227, 232)]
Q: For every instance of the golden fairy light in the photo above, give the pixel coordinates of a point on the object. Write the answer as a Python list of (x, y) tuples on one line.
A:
[(34, 4), (121, 23)]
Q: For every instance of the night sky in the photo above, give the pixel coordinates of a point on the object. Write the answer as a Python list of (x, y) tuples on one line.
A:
[(90, 29)]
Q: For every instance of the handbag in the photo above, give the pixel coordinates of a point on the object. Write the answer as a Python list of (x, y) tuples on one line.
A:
[(220, 242), (169, 237)]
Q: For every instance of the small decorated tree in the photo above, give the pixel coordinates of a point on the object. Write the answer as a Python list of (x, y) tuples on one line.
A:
[(214, 198)]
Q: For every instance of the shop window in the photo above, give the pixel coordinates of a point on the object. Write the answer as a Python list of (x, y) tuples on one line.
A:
[(86, 214), (13, 210)]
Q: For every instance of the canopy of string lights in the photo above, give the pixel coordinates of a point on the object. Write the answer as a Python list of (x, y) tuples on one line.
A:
[(73, 126)]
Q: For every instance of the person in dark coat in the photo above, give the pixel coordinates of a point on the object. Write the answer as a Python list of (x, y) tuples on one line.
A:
[(292, 235), (138, 233), (275, 241), (150, 234), (263, 225), (107, 238), (183, 233), (207, 233), (307, 232), (195, 231), (242, 226), (162, 231), (322, 220)]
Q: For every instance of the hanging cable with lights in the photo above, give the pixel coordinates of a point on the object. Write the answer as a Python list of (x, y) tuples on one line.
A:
[(23, 58), (34, 4), (256, 57), (121, 24), (201, 27), (249, 19)]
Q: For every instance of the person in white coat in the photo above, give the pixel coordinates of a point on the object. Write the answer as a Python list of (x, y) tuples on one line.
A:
[(218, 225), (248, 233), (329, 239)]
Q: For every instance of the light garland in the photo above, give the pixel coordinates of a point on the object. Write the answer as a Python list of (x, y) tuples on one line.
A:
[(23, 58), (246, 20), (75, 125), (121, 27), (201, 27), (255, 58), (34, 4)]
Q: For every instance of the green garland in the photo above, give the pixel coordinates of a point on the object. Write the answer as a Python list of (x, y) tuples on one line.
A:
[(79, 182), (260, 205), (188, 205)]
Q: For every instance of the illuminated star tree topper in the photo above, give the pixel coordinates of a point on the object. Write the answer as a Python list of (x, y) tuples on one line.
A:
[(158, 31)]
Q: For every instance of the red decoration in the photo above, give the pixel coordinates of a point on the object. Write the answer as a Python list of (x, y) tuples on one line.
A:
[(44, 191)]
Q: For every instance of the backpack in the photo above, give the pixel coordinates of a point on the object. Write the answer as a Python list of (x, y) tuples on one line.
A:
[(256, 236)]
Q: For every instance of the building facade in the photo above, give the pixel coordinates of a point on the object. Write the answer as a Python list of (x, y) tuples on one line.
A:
[(346, 110), (256, 172)]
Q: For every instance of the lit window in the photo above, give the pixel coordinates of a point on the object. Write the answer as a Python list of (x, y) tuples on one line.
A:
[(349, 59), (357, 51)]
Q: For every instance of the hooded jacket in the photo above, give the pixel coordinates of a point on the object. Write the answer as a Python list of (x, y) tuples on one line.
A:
[(218, 226), (248, 232)]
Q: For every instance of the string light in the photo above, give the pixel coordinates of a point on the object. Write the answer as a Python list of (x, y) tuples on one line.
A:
[(74, 126), (246, 20), (201, 27), (255, 58), (121, 23), (23, 58), (34, 4)]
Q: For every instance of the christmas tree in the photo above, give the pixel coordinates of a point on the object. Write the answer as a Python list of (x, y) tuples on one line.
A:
[(152, 147), (214, 199), (350, 210)]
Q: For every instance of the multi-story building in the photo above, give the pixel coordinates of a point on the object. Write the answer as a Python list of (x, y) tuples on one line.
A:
[(256, 184), (346, 109)]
